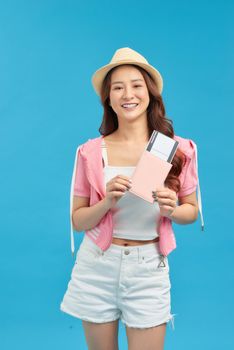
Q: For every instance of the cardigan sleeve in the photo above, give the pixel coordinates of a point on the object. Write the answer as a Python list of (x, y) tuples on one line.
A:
[(81, 183), (189, 175)]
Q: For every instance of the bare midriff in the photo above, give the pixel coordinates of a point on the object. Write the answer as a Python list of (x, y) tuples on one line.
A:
[(130, 242)]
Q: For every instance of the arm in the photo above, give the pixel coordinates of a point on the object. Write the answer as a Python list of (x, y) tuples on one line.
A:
[(85, 217), (185, 213), (187, 210)]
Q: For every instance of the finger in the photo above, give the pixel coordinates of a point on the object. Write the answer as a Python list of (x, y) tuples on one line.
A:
[(162, 188), (118, 183), (118, 193), (118, 186), (115, 188), (166, 194), (125, 181), (166, 201), (166, 207), (124, 177), (154, 196)]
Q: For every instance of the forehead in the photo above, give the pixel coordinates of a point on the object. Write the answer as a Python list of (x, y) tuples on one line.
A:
[(126, 72)]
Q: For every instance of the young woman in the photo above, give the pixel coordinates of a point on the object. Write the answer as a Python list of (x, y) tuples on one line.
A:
[(121, 269)]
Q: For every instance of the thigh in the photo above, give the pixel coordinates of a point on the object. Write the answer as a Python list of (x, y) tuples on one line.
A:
[(101, 336), (146, 338)]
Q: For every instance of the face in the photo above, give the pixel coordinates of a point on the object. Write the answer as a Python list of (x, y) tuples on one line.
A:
[(129, 96)]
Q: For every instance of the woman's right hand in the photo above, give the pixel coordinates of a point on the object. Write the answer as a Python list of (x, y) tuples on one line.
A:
[(116, 188)]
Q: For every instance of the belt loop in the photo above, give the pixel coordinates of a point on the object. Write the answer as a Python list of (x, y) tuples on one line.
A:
[(139, 256)]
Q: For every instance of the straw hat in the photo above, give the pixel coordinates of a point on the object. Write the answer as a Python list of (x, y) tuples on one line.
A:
[(123, 56)]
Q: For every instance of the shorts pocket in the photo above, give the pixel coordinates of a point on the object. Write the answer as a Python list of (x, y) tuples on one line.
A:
[(86, 256), (156, 264)]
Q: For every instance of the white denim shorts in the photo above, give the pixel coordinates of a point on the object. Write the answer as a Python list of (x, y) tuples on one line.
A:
[(129, 283)]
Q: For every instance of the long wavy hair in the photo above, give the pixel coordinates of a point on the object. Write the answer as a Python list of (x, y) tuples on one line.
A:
[(156, 120)]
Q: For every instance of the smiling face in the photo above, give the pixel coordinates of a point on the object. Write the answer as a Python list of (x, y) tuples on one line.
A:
[(129, 96)]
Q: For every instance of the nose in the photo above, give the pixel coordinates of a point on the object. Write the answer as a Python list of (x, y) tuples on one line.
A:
[(127, 93)]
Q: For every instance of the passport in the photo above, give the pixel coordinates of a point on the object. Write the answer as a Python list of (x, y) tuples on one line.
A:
[(153, 166)]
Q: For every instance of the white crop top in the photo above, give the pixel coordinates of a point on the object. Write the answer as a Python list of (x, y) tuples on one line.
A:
[(133, 217)]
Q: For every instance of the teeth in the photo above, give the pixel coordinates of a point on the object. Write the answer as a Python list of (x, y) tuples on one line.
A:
[(130, 105)]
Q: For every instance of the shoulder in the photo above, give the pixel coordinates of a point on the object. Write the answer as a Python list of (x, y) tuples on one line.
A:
[(88, 146), (187, 146)]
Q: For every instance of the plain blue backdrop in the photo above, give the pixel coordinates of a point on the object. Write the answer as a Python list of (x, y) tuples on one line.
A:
[(48, 52)]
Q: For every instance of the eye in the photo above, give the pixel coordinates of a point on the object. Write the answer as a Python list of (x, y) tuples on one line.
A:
[(118, 87), (137, 85)]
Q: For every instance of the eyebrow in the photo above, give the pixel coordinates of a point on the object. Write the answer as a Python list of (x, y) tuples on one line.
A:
[(117, 82)]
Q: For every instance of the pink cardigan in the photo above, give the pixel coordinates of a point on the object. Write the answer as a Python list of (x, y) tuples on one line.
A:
[(88, 181)]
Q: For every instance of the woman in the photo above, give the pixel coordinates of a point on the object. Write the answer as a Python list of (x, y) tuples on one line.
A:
[(121, 269)]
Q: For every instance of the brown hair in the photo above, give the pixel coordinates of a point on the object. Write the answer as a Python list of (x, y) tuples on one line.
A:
[(155, 117)]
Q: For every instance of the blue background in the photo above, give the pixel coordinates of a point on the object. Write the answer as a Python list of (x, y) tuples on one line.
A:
[(48, 52)]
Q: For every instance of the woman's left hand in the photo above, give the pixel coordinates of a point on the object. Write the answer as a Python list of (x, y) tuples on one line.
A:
[(166, 199)]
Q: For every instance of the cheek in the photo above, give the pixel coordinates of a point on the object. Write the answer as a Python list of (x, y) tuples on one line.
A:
[(115, 105), (114, 99), (144, 96), (145, 100)]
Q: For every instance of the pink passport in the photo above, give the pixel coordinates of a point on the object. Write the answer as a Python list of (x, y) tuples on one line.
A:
[(150, 174)]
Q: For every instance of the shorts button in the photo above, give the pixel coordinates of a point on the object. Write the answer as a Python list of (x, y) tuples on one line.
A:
[(126, 252)]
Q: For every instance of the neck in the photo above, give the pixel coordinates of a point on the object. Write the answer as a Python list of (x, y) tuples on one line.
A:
[(130, 135)]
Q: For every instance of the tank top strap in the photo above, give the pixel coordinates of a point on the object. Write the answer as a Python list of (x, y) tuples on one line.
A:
[(104, 153)]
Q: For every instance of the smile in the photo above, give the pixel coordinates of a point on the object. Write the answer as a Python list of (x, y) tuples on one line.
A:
[(130, 106)]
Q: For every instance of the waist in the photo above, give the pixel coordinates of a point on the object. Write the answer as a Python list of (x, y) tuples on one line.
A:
[(130, 242)]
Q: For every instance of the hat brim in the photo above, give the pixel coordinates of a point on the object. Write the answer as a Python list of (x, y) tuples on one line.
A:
[(99, 75)]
